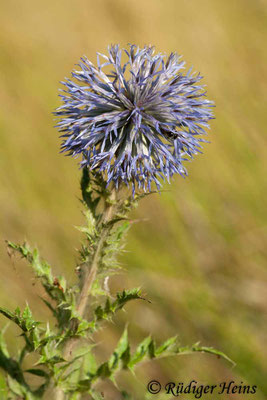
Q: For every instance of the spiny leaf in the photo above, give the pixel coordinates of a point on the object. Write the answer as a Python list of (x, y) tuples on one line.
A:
[(88, 192), (79, 355), (90, 228), (104, 371), (120, 353), (50, 360), (111, 307), (203, 349), (166, 346), (54, 287), (24, 321), (141, 352), (89, 366), (41, 268)]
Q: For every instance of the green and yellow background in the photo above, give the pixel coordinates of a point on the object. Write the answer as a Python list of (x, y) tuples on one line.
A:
[(199, 250)]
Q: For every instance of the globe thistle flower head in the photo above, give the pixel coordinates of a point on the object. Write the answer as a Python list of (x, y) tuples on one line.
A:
[(137, 123)]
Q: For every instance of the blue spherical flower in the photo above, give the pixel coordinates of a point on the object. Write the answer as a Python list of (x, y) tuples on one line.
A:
[(139, 121)]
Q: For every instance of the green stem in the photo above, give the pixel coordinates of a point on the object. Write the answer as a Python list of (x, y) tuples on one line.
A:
[(89, 279), (91, 274)]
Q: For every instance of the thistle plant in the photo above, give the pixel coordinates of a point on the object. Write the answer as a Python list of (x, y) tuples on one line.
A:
[(133, 127), (134, 130)]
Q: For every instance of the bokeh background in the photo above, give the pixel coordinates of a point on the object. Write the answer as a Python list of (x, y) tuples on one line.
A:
[(200, 251)]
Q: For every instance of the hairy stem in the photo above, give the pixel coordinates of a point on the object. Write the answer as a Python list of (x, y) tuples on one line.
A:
[(90, 276)]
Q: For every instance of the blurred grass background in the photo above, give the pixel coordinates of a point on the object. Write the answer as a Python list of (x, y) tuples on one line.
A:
[(201, 254)]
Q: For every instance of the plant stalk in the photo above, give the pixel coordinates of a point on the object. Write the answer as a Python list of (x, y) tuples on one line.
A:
[(89, 279), (91, 274)]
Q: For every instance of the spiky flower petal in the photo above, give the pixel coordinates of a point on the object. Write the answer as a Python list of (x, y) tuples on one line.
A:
[(138, 122)]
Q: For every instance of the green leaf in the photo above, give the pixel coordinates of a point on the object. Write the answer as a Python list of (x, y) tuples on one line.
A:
[(166, 346), (55, 287), (38, 372), (8, 314), (90, 228), (3, 345), (89, 366), (15, 386), (11, 367), (24, 321), (96, 396), (27, 317), (127, 295), (121, 230), (203, 349), (103, 371), (75, 396), (84, 385), (41, 268), (126, 396), (110, 308), (141, 352), (121, 352), (78, 364), (3, 388), (50, 360), (34, 338), (88, 191)]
